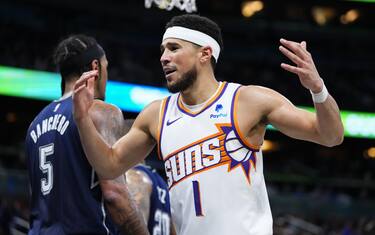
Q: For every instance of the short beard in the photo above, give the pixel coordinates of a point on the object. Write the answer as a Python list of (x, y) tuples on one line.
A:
[(185, 82)]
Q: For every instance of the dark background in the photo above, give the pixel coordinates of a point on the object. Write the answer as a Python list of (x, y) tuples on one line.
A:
[(312, 189)]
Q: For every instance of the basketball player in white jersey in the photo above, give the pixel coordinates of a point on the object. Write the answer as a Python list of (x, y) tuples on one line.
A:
[(209, 133)]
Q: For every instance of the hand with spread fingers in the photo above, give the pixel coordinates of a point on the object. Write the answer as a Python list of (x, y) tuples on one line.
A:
[(304, 64), (83, 94)]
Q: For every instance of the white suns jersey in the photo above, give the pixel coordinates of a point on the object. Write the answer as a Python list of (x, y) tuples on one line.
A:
[(214, 176)]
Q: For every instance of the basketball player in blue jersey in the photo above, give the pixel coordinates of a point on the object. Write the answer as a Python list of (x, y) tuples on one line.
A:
[(66, 194), (209, 133), (150, 193)]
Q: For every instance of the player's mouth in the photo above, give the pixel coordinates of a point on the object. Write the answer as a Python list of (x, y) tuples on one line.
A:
[(169, 71)]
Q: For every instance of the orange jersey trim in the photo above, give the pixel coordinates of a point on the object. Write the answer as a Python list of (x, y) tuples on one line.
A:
[(162, 113), (218, 94), (236, 125)]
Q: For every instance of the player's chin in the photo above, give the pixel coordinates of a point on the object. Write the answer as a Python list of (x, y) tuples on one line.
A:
[(170, 84), (173, 86)]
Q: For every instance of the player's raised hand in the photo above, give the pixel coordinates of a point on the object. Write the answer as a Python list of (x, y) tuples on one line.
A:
[(304, 65), (83, 94)]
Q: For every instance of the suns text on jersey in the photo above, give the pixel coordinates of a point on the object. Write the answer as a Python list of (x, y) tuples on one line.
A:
[(201, 155), (221, 148)]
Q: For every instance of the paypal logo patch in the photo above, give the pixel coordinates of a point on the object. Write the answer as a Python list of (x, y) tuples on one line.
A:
[(218, 113), (218, 107)]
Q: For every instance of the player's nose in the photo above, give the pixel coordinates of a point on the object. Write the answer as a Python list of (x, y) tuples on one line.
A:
[(165, 58)]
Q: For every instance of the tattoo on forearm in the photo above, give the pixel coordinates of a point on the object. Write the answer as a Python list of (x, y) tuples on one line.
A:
[(140, 187), (123, 211), (133, 225)]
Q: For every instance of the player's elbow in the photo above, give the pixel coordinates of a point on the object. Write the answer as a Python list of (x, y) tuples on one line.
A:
[(111, 192), (110, 197), (338, 140), (334, 140), (339, 137)]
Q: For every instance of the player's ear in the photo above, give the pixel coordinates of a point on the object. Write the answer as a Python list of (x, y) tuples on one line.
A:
[(206, 52), (95, 64)]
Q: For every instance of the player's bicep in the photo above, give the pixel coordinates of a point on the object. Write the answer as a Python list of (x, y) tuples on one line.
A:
[(292, 121)]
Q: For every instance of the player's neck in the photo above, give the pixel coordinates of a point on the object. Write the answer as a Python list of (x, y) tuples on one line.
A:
[(68, 90), (202, 89)]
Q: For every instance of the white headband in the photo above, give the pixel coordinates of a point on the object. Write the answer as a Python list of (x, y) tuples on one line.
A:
[(193, 36)]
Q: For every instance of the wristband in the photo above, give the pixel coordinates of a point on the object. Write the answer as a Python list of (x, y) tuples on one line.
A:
[(321, 96)]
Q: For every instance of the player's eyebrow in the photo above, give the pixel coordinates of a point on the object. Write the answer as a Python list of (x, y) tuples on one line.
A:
[(168, 44)]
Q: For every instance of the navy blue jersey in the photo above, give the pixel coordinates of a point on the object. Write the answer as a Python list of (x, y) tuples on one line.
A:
[(66, 197), (160, 211)]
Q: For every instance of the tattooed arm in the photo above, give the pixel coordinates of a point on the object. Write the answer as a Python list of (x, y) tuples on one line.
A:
[(122, 208), (140, 187), (109, 122)]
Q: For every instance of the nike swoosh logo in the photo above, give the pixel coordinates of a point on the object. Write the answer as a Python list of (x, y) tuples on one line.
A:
[(171, 122)]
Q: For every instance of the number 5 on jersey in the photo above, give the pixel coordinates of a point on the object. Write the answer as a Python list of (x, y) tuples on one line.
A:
[(46, 167)]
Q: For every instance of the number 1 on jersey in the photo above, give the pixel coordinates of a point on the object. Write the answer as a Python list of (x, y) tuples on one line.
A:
[(197, 198)]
